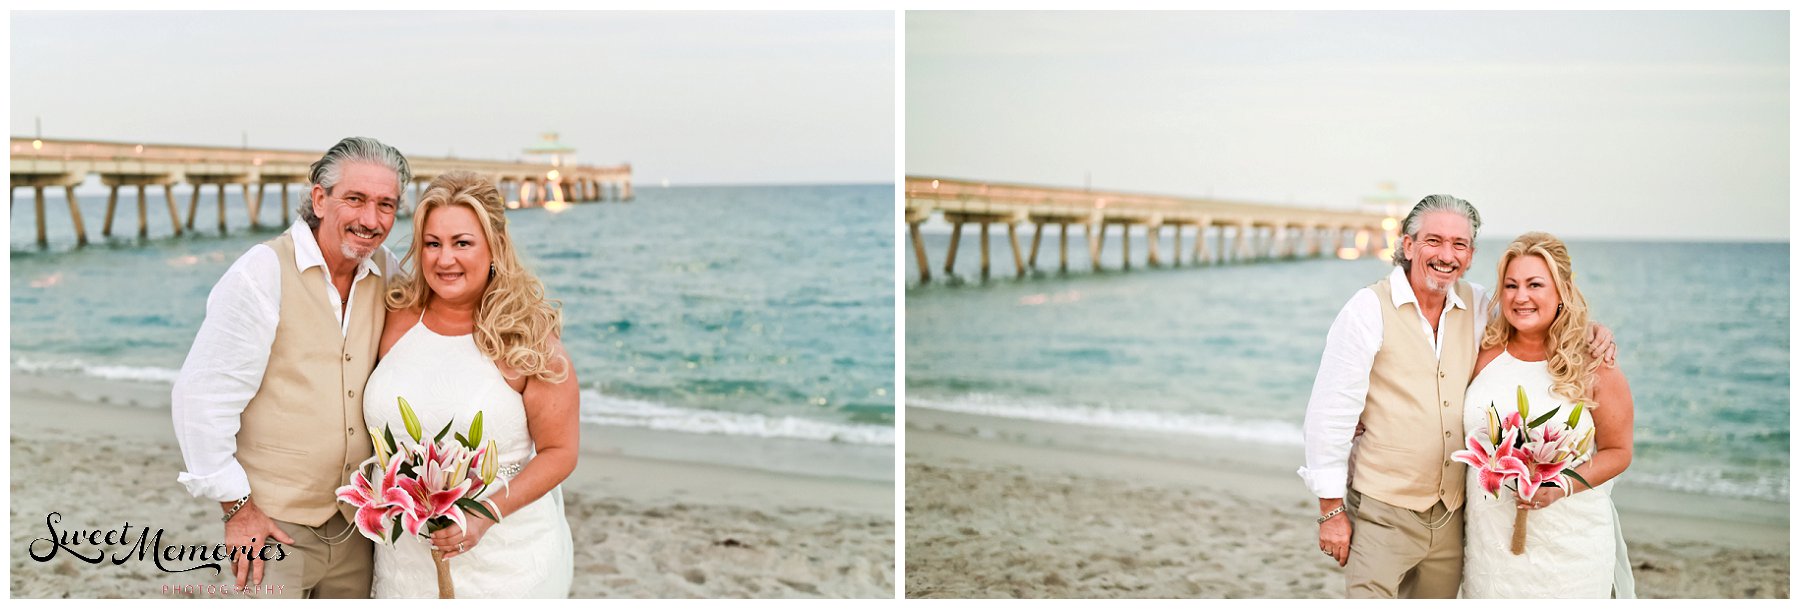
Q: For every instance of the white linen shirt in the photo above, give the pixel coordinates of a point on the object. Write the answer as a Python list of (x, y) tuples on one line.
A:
[(1342, 386), (225, 366)]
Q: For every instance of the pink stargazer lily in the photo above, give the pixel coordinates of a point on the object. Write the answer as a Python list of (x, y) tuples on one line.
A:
[(1493, 464), (1513, 421), (374, 511), (423, 499), (1541, 468)]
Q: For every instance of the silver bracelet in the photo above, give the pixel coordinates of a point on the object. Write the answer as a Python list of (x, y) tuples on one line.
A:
[(1328, 515), (234, 509)]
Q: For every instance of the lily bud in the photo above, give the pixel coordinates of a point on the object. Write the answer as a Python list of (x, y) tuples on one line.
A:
[(415, 430), (1586, 440), (381, 454), (460, 473), (1493, 425), (1524, 407), (490, 462)]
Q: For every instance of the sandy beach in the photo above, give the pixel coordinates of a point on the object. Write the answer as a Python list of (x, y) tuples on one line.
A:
[(654, 515), (1001, 508)]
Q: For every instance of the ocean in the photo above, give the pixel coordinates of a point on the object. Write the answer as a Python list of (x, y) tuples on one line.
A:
[(756, 311), (1231, 351)]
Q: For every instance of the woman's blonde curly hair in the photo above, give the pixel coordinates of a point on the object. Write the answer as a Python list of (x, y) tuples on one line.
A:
[(514, 322), (1572, 369)]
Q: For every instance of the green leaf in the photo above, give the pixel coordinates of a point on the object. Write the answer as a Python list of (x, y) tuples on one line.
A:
[(1524, 406), (475, 431), (464, 441), (470, 505), (440, 434), (1546, 417), (393, 447), (396, 530), (414, 429), (1570, 472), (1575, 417)]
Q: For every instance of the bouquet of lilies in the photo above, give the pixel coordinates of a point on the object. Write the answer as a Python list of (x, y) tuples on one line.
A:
[(420, 488), (1529, 453)]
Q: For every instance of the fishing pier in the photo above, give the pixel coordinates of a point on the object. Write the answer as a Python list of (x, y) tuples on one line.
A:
[(1256, 231), (46, 163)]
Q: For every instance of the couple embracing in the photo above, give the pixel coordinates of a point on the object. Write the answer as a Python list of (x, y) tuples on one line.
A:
[(1411, 367), (310, 339)]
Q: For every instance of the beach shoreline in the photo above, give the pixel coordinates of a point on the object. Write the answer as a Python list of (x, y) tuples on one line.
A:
[(654, 514), (1013, 508)]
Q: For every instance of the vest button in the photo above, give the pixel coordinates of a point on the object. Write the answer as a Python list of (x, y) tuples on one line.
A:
[(352, 431), (1446, 434), (1440, 374), (1447, 462), (352, 393), (346, 357), (1446, 403)]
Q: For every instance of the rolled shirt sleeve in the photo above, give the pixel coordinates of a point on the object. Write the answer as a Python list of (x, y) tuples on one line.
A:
[(223, 371), (1338, 394)]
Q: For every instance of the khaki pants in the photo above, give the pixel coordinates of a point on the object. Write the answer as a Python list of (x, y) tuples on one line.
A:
[(315, 568), (1396, 553)]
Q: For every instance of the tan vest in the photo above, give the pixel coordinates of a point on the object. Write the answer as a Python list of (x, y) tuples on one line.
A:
[(1414, 409), (302, 433)]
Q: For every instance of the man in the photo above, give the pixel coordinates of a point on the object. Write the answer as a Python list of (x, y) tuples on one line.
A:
[(1397, 360), (268, 405)]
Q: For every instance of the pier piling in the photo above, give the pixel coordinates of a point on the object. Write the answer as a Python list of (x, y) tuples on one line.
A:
[(1037, 236), (75, 215), (143, 212), (1125, 246), (1012, 235), (37, 192), (950, 259), (193, 206), (984, 251), (1062, 265), (174, 216), (255, 204), (221, 208), (1096, 242), (918, 243)]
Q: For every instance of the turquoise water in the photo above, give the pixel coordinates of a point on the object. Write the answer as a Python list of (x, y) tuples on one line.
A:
[(1231, 351), (757, 311)]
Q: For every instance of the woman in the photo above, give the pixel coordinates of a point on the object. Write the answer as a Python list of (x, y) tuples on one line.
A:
[(1536, 338), (470, 331)]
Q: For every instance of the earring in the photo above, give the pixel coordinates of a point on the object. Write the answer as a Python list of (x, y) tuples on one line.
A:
[(491, 278), (1559, 308)]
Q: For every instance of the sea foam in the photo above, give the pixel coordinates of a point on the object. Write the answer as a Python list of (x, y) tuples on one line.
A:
[(1194, 424)]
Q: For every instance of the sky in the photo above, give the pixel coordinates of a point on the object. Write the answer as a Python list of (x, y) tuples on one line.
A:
[(1640, 125), (715, 98)]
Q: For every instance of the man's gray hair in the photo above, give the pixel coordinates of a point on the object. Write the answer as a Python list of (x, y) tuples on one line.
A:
[(330, 168), (1410, 227)]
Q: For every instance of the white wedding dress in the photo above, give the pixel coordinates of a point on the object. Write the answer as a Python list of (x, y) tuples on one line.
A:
[(1573, 548), (528, 554)]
